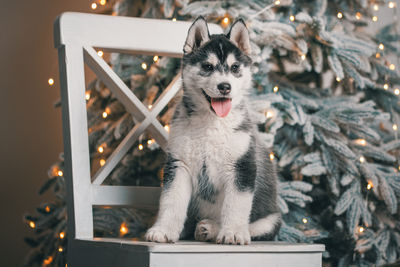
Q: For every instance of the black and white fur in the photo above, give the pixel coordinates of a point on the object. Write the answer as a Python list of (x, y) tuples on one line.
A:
[(219, 184)]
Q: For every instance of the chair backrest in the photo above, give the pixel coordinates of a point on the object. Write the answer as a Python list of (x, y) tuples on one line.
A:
[(76, 36)]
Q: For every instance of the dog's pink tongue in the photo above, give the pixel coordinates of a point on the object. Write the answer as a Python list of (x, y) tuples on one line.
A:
[(221, 106)]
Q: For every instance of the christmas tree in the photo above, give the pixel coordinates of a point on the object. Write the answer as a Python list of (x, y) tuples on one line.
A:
[(326, 98)]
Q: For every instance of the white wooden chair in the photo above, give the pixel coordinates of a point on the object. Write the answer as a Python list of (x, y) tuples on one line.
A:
[(76, 35)]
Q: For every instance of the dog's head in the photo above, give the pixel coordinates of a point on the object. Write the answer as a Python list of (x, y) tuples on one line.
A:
[(216, 68)]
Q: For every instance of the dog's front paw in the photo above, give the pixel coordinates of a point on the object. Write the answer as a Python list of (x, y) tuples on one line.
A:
[(161, 235), (206, 230), (237, 235)]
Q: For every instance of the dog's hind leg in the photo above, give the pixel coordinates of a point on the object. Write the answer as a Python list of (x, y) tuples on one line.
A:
[(265, 228)]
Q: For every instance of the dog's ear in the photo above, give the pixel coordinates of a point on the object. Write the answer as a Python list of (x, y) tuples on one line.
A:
[(197, 36), (239, 35)]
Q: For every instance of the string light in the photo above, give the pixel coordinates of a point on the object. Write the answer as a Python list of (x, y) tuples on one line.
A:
[(277, 2), (87, 95), (166, 127), (100, 149), (155, 58), (271, 156), (47, 208), (378, 55), (32, 224), (338, 79), (303, 57), (104, 115), (102, 162), (394, 126), (225, 21), (174, 19), (150, 106), (361, 229), (51, 81), (100, 53), (276, 88), (60, 173), (48, 260), (60, 249), (144, 66), (376, 7), (103, 2), (150, 141), (362, 159), (370, 185), (374, 18), (269, 114), (340, 15), (397, 91), (392, 67), (93, 6), (386, 86), (62, 235), (304, 220), (381, 46), (361, 142), (292, 18), (140, 147), (123, 229), (391, 4), (358, 15)]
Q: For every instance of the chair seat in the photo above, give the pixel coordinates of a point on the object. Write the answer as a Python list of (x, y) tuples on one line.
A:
[(124, 252)]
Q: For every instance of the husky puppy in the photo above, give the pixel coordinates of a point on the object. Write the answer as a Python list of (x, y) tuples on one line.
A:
[(218, 180)]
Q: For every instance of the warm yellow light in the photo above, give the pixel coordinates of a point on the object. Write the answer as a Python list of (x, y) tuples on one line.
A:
[(374, 18), (361, 229), (93, 6), (104, 115), (277, 2), (144, 66), (358, 15), (394, 126), (155, 58), (62, 235), (303, 57), (338, 79), (378, 55), (271, 156), (123, 229), (60, 249), (397, 91), (51, 81), (102, 162), (48, 260), (376, 7), (225, 21), (100, 149), (292, 18), (392, 67), (103, 2), (166, 127), (305, 220), (149, 142), (381, 46), (150, 106), (276, 88), (32, 224), (391, 4), (370, 185), (87, 95), (340, 15), (140, 147), (174, 19), (100, 53), (47, 208), (386, 86), (362, 159), (269, 114), (60, 173), (361, 142)]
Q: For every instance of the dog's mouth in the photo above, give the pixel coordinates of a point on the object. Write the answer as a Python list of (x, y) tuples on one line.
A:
[(220, 105)]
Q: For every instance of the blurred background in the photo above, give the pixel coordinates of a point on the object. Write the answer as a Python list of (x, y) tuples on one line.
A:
[(31, 133)]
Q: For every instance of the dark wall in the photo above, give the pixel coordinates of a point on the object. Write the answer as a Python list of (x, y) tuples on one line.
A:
[(30, 128)]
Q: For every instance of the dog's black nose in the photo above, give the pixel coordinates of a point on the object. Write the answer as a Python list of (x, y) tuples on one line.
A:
[(224, 88)]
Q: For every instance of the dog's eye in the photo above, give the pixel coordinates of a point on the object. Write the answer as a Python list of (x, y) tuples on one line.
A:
[(207, 67), (235, 68)]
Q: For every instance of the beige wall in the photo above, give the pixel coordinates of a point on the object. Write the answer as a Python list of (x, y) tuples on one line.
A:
[(30, 128)]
